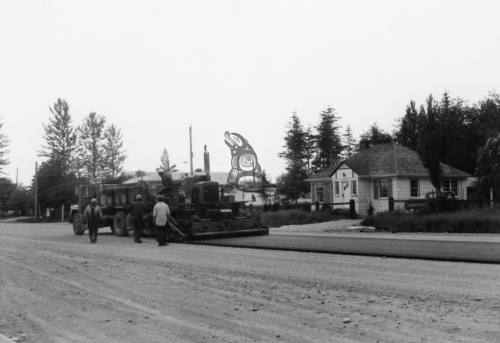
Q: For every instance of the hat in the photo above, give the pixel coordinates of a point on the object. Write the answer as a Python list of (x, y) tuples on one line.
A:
[(93, 201), (159, 197), (138, 197)]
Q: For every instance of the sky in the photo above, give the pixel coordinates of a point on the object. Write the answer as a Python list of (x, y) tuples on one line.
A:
[(154, 68)]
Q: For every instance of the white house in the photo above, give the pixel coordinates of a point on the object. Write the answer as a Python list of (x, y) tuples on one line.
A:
[(383, 171)]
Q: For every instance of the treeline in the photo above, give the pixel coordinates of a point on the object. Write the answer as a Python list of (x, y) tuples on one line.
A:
[(447, 130), (89, 152), (74, 154)]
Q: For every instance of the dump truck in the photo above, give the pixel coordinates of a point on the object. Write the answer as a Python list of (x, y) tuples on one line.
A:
[(199, 209)]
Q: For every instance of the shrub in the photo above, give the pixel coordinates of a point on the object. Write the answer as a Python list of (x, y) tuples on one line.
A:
[(467, 221)]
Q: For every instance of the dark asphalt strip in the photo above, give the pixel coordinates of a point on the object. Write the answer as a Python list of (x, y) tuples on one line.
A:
[(465, 251)]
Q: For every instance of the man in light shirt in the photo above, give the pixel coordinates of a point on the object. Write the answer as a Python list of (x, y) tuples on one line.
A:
[(161, 211)]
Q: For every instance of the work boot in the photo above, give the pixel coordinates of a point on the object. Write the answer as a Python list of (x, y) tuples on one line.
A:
[(138, 241)]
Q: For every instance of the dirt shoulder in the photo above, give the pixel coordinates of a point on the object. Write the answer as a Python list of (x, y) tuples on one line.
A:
[(56, 287)]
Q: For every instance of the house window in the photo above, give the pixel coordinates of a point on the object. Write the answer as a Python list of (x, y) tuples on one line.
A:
[(449, 186), (354, 188), (337, 188), (414, 191), (320, 193), (380, 188), (383, 188)]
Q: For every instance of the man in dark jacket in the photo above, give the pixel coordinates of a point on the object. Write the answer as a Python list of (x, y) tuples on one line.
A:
[(136, 209), (92, 217)]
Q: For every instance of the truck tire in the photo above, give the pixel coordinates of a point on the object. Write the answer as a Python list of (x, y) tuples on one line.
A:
[(78, 227), (119, 224)]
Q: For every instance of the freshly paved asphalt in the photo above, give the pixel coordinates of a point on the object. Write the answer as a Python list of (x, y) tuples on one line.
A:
[(435, 249)]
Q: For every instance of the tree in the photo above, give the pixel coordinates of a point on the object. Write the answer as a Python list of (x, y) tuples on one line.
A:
[(4, 143), (54, 187), (430, 142), (21, 201), (310, 147), (328, 141), (113, 154), (296, 156), (6, 189), (60, 137), (92, 141), (373, 136), (409, 127), (350, 145), (488, 167), (295, 138), (292, 183)]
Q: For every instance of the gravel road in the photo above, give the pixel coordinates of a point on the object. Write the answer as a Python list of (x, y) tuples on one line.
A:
[(56, 287)]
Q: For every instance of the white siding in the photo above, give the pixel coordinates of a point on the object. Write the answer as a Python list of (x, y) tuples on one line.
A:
[(364, 196), (345, 176)]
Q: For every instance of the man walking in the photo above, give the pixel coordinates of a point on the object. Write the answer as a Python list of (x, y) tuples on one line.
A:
[(92, 217), (136, 209), (161, 211)]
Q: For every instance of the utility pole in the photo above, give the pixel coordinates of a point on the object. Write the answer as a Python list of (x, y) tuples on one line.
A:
[(190, 150), (36, 192)]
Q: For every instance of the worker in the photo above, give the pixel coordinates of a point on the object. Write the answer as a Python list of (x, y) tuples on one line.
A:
[(136, 209), (92, 218), (161, 212)]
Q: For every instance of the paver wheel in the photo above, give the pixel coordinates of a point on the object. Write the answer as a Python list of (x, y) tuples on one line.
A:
[(120, 224), (78, 227)]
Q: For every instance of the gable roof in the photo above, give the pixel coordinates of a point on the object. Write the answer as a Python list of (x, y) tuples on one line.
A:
[(325, 173), (389, 159)]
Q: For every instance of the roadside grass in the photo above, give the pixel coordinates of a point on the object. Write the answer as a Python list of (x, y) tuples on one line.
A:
[(298, 217), (466, 221)]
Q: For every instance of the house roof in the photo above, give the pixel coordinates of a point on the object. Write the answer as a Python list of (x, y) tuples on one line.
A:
[(325, 173), (391, 159)]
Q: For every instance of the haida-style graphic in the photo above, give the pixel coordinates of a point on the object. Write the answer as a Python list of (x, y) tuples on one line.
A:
[(245, 173)]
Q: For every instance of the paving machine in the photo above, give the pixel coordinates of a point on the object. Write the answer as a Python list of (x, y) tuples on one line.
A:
[(199, 209)]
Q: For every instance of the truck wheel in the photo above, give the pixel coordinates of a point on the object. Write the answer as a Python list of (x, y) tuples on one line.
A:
[(130, 224), (120, 224), (78, 227)]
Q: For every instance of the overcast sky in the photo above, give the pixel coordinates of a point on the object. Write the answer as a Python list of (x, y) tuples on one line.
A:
[(155, 67)]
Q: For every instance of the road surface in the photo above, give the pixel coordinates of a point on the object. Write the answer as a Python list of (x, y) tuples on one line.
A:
[(56, 287)]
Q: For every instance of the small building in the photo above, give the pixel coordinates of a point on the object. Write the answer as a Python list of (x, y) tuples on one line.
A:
[(383, 171)]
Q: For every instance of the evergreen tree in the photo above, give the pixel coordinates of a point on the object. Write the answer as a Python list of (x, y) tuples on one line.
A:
[(350, 145), (328, 141), (292, 183), (310, 148), (430, 141), (296, 156), (295, 138), (4, 144), (408, 130), (60, 137), (92, 141), (113, 154), (373, 136)]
